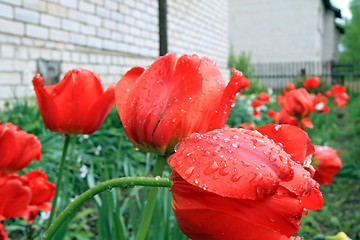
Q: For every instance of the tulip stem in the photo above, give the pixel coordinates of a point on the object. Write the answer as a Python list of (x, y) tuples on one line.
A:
[(58, 183), (101, 187), (151, 200)]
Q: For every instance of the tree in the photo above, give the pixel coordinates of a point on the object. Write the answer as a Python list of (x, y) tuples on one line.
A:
[(351, 39)]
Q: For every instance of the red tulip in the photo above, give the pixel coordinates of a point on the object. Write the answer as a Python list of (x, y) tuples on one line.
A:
[(244, 181), (15, 197), (256, 103), (264, 97), (312, 83), (326, 163), (173, 97), (17, 148), (336, 90), (42, 190), (76, 105), (249, 126), (340, 96), (275, 116), (290, 86), (298, 103), (3, 232)]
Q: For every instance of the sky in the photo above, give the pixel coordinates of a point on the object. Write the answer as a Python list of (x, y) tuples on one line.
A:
[(343, 5)]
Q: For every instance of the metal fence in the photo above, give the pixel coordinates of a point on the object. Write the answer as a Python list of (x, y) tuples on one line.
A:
[(277, 75)]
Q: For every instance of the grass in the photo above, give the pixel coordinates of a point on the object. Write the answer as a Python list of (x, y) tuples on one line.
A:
[(108, 154)]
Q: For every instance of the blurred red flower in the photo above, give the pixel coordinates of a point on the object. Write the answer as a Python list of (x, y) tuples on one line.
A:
[(42, 190), (326, 163), (256, 103), (173, 97), (290, 86), (3, 232), (15, 197), (17, 148), (298, 103), (249, 126), (76, 105), (340, 96), (312, 83), (24, 195), (244, 181), (275, 116), (264, 97)]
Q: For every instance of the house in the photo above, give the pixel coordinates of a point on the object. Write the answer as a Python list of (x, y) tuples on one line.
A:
[(279, 31)]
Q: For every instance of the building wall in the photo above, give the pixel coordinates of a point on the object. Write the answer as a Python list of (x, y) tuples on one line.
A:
[(106, 36), (279, 30), (330, 38)]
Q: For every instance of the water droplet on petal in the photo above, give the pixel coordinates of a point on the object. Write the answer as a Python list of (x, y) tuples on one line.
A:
[(277, 127), (212, 168), (254, 133), (189, 172), (235, 177), (224, 171)]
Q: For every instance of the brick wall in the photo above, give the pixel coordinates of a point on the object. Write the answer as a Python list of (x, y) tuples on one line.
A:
[(107, 36)]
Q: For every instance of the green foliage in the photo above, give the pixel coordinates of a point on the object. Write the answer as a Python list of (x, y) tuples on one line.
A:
[(243, 64), (350, 40), (240, 113)]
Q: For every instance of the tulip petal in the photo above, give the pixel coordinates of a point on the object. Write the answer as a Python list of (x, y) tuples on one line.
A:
[(246, 219), (47, 107), (18, 148), (305, 188), (15, 198), (99, 111), (3, 232), (237, 82), (295, 141), (234, 163), (42, 190)]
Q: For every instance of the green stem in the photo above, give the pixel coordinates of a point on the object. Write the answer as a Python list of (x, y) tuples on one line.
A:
[(58, 183), (150, 204), (107, 185)]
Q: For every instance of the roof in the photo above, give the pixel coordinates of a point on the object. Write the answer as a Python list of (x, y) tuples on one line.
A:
[(328, 5)]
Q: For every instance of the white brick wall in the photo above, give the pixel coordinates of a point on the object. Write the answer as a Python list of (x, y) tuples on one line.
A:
[(108, 36)]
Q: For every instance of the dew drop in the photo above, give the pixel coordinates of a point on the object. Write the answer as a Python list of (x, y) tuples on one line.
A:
[(235, 177), (260, 143), (283, 159), (272, 220), (245, 164), (227, 140), (212, 168), (275, 150), (224, 171), (235, 144), (254, 133), (277, 127), (196, 182), (189, 172)]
